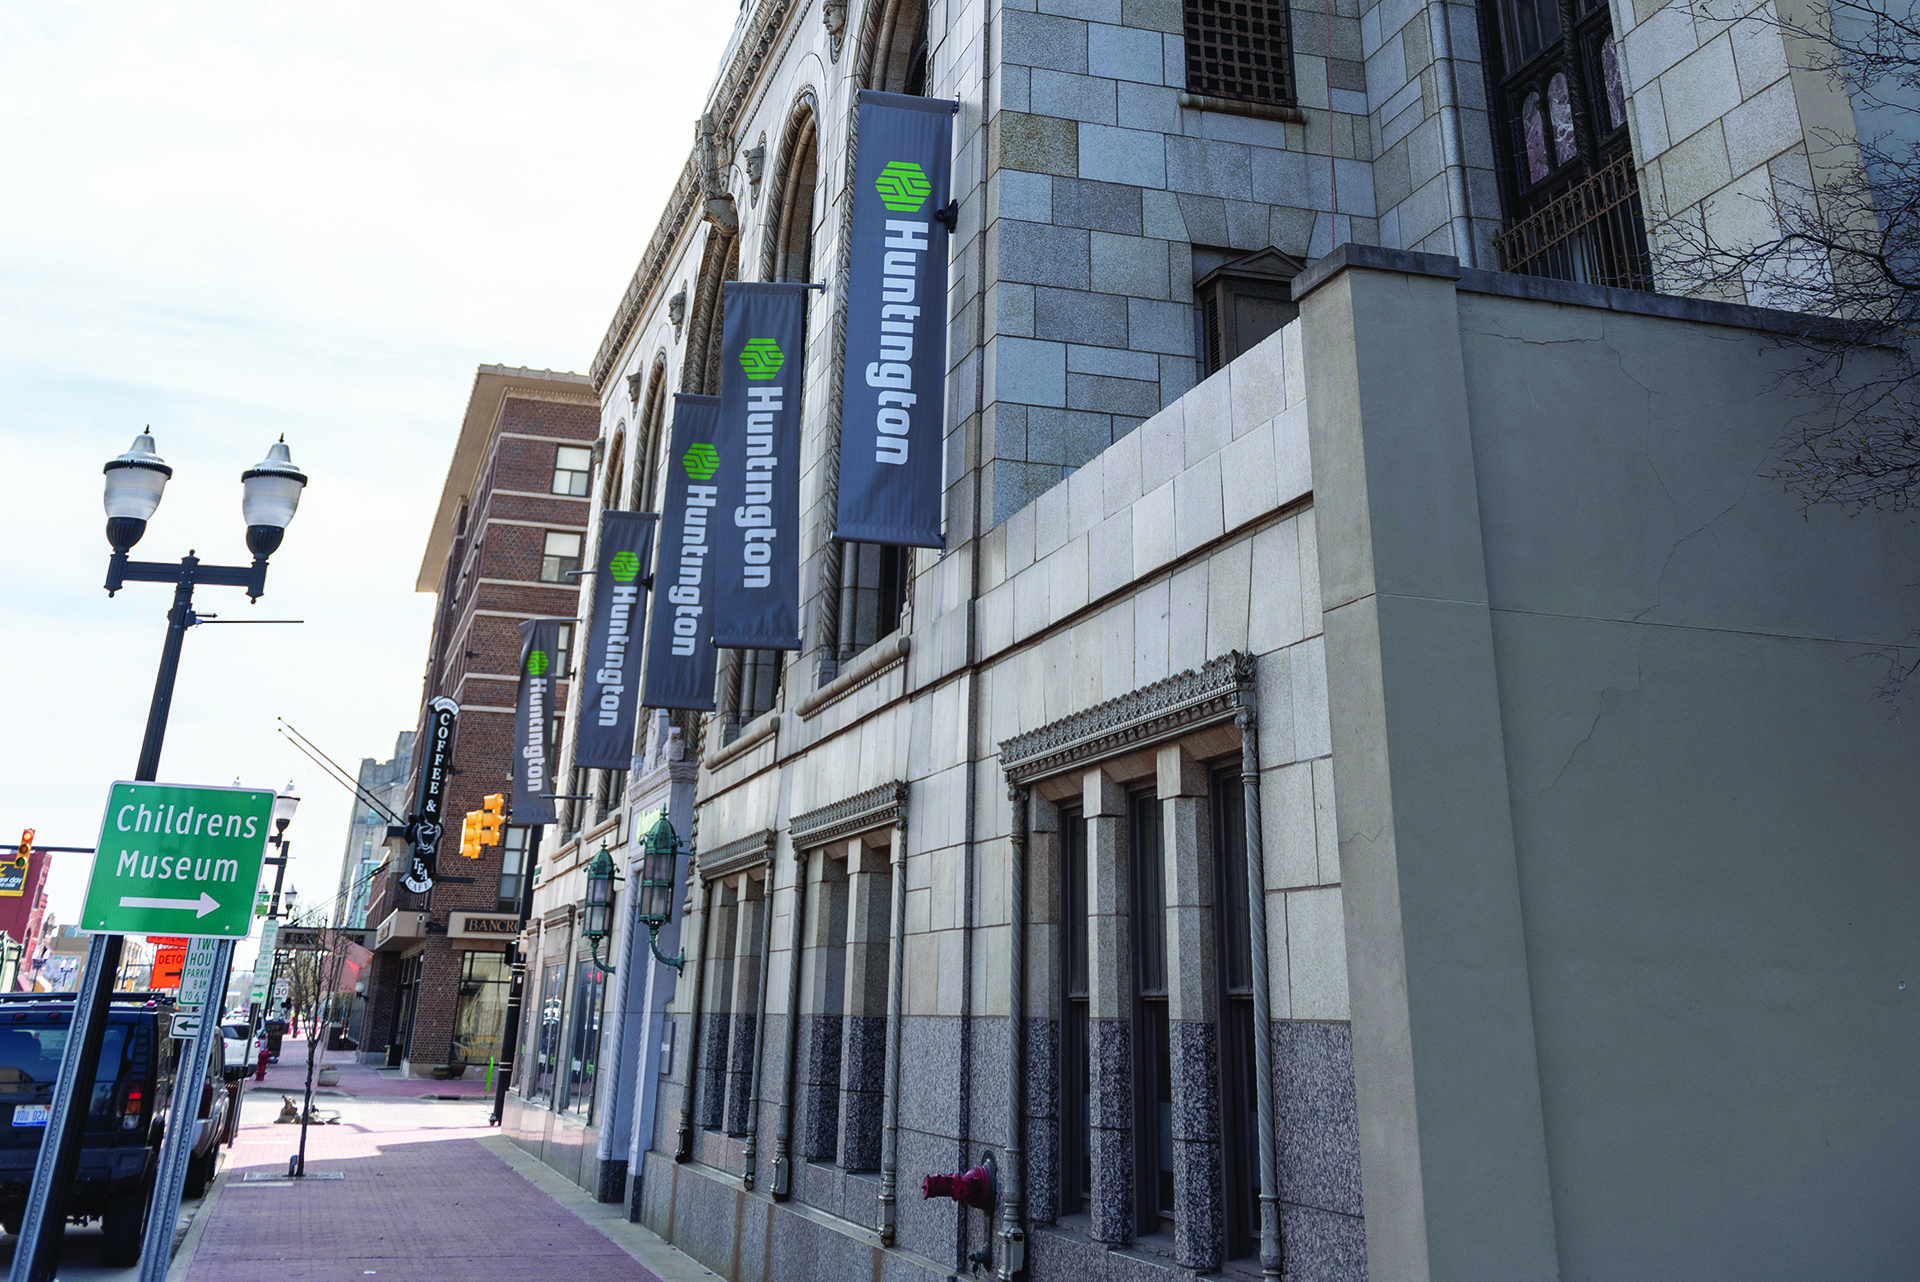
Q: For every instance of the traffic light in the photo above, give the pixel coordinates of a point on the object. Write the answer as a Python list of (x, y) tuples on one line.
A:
[(26, 842), (492, 818), (470, 836)]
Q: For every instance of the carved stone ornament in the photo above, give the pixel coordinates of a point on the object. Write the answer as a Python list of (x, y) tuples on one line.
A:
[(677, 310), (833, 16), (710, 150), (633, 386), (879, 807), (737, 856), (755, 160), (1179, 705)]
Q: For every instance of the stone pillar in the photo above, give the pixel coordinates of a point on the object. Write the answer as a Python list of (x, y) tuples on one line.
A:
[(863, 1046), (820, 1026), (710, 1100), (750, 912), (1044, 1013), (1187, 849), (1109, 1010)]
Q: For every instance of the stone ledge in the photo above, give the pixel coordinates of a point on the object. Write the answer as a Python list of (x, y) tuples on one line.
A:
[(754, 732), (865, 666), (1240, 107)]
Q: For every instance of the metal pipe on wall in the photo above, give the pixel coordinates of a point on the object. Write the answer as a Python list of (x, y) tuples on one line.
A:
[(1452, 142), (1262, 1002), (896, 993)]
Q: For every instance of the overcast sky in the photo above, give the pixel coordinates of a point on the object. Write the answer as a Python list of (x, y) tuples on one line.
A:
[(234, 220)]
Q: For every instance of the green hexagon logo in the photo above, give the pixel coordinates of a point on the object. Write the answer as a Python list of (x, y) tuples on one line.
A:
[(761, 358), (537, 663), (624, 567), (701, 460), (903, 186)]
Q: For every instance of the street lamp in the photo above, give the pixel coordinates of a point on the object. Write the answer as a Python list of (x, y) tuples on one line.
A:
[(135, 482), (659, 859), (284, 805), (601, 875)]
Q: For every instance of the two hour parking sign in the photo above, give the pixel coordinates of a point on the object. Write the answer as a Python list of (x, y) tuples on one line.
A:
[(178, 859)]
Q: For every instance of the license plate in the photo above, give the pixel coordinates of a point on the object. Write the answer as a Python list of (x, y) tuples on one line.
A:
[(30, 1114)]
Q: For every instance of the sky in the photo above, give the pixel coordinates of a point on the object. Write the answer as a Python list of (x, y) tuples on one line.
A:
[(233, 221)]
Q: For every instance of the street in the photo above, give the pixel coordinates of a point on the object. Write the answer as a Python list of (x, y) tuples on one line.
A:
[(402, 1186)]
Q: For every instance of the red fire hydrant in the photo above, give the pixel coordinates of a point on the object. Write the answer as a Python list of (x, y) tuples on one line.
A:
[(969, 1188), (260, 1067)]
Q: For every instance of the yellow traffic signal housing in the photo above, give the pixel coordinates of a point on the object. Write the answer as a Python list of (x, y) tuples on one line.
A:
[(470, 836), (492, 818)]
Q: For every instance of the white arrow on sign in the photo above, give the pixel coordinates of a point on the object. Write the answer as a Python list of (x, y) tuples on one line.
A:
[(205, 904)]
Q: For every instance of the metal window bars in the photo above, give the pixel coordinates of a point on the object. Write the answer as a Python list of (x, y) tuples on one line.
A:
[(1593, 233), (1239, 49)]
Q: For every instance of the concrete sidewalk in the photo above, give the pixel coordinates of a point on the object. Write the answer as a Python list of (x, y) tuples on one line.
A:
[(418, 1189), (289, 1077)]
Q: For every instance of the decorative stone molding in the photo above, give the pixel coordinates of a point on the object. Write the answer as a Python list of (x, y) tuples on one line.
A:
[(875, 808), (833, 16), (877, 659), (1179, 705), (754, 159), (677, 310), (736, 856), (755, 731)]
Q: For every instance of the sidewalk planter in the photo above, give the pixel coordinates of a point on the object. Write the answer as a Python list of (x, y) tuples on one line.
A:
[(329, 1076)]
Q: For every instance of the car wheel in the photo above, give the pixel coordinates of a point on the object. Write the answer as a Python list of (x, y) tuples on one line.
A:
[(200, 1173), (121, 1225)]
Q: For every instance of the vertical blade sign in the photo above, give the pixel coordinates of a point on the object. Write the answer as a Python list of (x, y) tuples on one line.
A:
[(756, 601), (429, 807), (680, 653), (894, 392), (609, 683), (533, 755)]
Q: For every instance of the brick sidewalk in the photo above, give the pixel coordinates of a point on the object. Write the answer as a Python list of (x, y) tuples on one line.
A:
[(289, 1077), (422, 1199)]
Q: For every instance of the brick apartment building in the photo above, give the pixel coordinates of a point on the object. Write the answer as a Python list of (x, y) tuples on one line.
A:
[(509, 532)]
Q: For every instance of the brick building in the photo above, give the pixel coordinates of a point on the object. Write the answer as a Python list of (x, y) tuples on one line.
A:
[(385, 782), (507, 535)]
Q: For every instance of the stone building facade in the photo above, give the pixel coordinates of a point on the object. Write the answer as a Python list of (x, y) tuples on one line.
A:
[(509, 530), (1177, 835)]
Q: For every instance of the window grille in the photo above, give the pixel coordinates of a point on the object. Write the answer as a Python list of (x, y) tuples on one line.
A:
[(1240, 49), (1592, 232)]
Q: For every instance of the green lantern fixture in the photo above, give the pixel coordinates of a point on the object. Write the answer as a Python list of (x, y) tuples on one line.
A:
[(599, 916), (659, 860)]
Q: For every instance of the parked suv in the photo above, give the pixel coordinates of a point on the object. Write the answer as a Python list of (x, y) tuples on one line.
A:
[(126, 1110)]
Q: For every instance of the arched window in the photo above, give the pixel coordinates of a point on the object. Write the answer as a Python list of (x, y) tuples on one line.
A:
[(648, 445)]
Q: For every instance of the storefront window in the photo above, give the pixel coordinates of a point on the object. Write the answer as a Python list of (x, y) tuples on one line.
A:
[(546, 1055), (589, 999), (480, 1014)]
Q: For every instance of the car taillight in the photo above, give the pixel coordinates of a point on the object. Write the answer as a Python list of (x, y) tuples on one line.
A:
[(130, 1111)]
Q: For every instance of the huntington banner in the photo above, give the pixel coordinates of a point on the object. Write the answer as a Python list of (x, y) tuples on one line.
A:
[(756, 602), (680, 653), (894, 390), (608, 683), (533, 756)]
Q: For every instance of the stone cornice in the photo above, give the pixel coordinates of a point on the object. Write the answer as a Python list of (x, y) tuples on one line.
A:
[(862, 812), (729, 97), (1180, 704), (735, 856)]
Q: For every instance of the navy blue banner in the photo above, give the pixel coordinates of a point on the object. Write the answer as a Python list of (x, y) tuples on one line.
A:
[(680, 653), (756, 602), (534, 760), (894, 392), (609, 681)]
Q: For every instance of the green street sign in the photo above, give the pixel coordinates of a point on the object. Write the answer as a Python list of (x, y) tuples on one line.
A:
[(178, 859)]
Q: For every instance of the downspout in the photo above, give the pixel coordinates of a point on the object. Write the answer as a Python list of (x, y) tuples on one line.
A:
[(1453, 146), (1013, 1238), (783, 1138), (896, 991), (683, 1143), (1262, 1004), (751, 1153)]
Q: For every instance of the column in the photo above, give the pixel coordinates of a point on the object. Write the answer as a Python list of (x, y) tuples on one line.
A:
[(863, 1046), (710, 1100), (1199, 1216), (750, 913), (820, 1027), (1109, 1009)]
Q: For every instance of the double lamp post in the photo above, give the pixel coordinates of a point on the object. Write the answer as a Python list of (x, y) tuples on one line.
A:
[(135, 481)]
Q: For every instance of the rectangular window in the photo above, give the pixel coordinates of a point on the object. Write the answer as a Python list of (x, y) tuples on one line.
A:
[(559, 556), (1076, 1135), (572, 469), (1239, 1108), (513, 866), (589, 1002), (546, 1055), (1240, 49), (480, 1011), (1152, 1034)]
